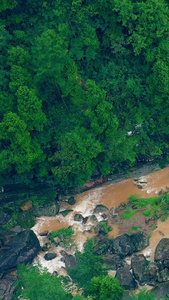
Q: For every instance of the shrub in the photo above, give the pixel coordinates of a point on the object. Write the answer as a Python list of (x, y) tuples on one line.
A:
[(106, 288)]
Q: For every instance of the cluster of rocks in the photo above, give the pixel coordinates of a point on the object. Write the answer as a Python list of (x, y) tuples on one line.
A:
[(16, 247), (134, 269)]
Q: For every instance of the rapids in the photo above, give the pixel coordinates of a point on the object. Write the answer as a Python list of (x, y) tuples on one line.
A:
[(110, 195)]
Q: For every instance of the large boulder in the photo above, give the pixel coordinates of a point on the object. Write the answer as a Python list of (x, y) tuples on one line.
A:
[(125, 277), (161, 290), (123, 245), (127, 244), (140, 241), (17, 249), (49, 210), (70, 261), (78, 218), (113, 260), (162, 251), (50, 256), (99, 209), (139, 266)]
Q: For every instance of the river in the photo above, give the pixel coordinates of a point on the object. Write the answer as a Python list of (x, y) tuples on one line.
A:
[(110, 195)]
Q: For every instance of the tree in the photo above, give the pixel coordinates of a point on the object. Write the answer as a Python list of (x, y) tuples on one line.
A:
[(106, 288), (35, 284), (89, 265)]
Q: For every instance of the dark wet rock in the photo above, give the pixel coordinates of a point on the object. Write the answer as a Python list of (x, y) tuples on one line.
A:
[(127, 244), (162, 251), (71, 200), (17, 249), (45, 210), (102, 228), (49, 256), (161, 290), (100, 209), (65, 212), (5, 215), (85, 220), (113, 260), (139, 266), (70, 261), (25, 219), (163, 275), (125, 276), (78, 218), (55, 273), (93, 219), (123, 245), (102, 245), (6, 289), (140, 241)]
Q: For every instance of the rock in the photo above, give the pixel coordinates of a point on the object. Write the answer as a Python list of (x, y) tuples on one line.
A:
[(113, 260), (140, 241), (26, 206), (45, 210), (49, 256), (71, 201), (44, 232), (100, 209), (102, 245), (123, 245), (102, 228), (6, 289), (78, 218), (5, 215), (85, 220), (17, 249), (139, 266), (127, 244), (25, 219), (161, 290), (70, 261), (93, 219), (163, 275), (65, 212), (126, 278), (162, 251)]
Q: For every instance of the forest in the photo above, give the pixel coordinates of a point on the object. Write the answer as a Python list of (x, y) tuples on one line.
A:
[(84, 88), (84, 92)]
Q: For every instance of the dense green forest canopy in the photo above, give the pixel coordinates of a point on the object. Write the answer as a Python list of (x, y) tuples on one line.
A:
[(84, 87)]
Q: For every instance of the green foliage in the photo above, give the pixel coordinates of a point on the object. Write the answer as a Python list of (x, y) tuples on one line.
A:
[(159, 205), (106, 229), (134, 228), (66, 232), (143, 295), (106, 288), (89, 265), (34, 284), (128, 214), (88, 83)]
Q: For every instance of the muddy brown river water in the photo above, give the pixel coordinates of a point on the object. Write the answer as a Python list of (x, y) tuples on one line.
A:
[(110, 195)]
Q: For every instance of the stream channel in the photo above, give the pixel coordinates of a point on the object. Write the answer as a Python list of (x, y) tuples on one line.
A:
[(153, 180)]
